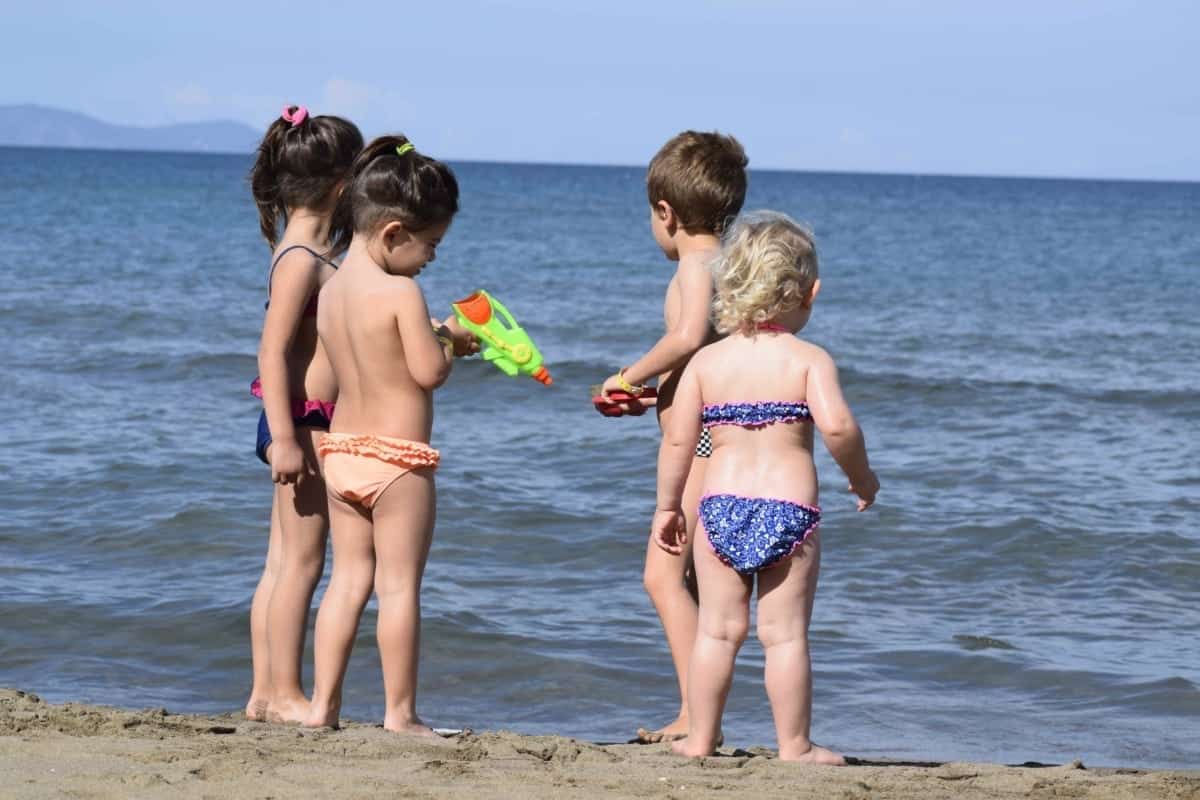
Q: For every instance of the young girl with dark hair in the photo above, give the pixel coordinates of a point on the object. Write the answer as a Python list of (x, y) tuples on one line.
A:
[(388, 356), (297, 178)]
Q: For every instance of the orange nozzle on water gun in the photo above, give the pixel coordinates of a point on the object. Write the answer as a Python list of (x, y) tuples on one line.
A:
[(505, 342)]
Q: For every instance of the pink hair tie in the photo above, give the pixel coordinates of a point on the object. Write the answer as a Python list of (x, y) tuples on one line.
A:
[(295, 117)]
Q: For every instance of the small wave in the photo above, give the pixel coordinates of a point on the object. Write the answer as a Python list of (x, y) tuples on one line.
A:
[(973, 643), (926, 387)]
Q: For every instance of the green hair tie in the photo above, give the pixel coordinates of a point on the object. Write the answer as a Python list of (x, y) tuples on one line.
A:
[(401, 149)]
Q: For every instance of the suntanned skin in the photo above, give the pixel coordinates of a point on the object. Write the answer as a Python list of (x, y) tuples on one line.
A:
[(375, 325), (292, 364), (774, 461), (686, 315)]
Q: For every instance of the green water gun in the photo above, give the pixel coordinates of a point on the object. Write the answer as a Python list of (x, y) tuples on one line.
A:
[(506, 343)]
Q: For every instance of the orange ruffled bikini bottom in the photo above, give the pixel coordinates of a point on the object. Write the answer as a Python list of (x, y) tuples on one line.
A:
[(359, 467)]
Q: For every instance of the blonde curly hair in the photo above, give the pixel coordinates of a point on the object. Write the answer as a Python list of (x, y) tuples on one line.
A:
[(767, 267)]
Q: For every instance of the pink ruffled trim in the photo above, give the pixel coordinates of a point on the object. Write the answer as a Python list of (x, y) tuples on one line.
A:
[(401, 452), (300, 408)]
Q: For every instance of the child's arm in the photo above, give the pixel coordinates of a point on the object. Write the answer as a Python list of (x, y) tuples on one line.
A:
[(685, 338), (427, 352), (292, 284), (674, 461), (838, 428)]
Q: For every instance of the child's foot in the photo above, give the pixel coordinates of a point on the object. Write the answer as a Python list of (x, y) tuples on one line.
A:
[(290, 712), (812, 755), (668, 733), (256, 709), (321, 716), (689, 747), (409, 725)]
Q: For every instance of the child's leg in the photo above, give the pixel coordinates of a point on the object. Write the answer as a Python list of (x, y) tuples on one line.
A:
[(404, 519), (260, 693), (349, 589), (665, 579), (724, 621), (304, 524), (785, 602)]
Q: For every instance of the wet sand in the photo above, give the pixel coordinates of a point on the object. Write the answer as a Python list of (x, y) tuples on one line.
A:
[(85, 751)]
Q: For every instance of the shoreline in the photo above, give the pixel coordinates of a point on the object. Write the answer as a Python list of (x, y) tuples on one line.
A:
[(96, 751)]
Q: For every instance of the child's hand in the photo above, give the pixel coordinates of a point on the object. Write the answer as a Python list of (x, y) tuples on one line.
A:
[(866, 490), (465, 342), (287, 462), (611, 384), (669, 530)]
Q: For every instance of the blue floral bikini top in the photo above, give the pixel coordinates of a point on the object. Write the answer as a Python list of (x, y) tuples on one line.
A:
[(754, 415)]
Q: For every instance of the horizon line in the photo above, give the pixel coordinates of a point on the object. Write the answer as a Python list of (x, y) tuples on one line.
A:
[(752, 169)]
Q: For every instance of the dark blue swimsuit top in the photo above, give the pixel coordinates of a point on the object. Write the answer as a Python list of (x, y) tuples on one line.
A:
[(311, 309), (754, 415)]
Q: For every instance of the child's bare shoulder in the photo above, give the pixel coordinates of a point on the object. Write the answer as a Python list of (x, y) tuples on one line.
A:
[(295, 266), (710, 355), (381, 288), (812, 355), (298, 256), (698, 264)]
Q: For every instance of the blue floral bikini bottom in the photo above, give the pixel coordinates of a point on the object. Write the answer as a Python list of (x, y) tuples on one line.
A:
[(754, 533)]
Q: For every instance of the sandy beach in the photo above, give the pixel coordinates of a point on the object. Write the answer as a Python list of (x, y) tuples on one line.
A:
[(85, 751)]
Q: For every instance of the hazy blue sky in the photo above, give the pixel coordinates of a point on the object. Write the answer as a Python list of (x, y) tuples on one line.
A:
[(1058, 87)]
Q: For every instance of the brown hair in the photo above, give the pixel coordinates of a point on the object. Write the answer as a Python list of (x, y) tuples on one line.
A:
[(392, 181), (703, 178), (299, 164)]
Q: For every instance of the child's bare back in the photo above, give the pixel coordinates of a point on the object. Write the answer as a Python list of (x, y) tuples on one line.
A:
[(775, 460), (362, 313)]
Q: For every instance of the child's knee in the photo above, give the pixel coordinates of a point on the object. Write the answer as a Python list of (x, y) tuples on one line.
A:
[(308, 565), (732, 629), (391, 584), (357, 581), (773, 632)]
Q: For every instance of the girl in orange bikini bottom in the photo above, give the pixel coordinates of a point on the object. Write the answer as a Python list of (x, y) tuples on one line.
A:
[(360, 467)]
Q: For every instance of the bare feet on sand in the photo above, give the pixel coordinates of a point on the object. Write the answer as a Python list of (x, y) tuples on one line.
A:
[(321, 717), (256, 709), (654, 737), (290, 712), (811, 754), (409, 725), (668, 733), (691, 748)]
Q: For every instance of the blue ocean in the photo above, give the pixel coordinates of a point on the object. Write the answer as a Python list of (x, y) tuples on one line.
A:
[(1023, 355)]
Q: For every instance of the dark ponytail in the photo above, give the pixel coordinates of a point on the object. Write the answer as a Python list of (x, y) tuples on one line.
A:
[(392, 181), (300, 162)]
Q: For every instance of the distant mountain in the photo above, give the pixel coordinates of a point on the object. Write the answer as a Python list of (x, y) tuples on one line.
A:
[(40, 126)]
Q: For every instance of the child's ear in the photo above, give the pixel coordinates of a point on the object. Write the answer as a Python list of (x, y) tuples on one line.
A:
[(812, 293), (666, 215), (393, 235)]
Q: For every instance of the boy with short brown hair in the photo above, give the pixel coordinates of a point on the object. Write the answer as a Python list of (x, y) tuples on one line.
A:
[(696, 185)]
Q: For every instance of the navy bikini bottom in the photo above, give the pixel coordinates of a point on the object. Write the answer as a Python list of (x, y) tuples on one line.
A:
[(753, 533), (315, 418)]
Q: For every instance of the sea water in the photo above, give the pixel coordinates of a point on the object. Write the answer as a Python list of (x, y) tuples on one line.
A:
[(1023, 355)]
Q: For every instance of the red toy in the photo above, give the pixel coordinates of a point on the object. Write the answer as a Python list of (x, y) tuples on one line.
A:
[(613, 407)]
